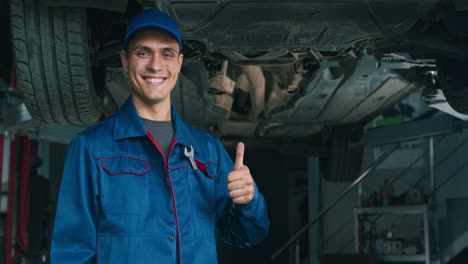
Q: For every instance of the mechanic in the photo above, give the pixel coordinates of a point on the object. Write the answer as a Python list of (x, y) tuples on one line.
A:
[(249, 93), (143, 186)]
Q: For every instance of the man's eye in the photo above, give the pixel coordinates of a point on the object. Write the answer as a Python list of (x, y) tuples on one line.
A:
[(169, 55), (142, 54)]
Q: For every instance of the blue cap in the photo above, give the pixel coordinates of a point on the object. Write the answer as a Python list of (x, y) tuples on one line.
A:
[(152, 18)]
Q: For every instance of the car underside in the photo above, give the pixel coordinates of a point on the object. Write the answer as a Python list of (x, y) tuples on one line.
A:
[(300, 76)]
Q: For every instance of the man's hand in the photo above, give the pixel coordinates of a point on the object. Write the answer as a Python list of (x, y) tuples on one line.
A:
[(240, 181)]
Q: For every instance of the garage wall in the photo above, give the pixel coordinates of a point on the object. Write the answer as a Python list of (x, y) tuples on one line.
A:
[(454, 170)]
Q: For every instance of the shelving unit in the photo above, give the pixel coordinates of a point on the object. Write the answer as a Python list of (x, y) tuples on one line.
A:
[(401, 210)]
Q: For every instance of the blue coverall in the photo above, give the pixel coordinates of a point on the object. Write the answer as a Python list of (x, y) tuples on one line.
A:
[(121, 201)]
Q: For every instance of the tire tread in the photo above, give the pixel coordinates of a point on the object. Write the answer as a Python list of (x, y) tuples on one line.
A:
[(53, 69)]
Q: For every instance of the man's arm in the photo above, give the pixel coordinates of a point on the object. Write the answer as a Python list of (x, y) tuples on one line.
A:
[(74, 235), (242, 213)]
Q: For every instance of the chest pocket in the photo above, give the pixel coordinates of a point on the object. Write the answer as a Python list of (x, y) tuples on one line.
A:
[(125, 185), (202, 185)]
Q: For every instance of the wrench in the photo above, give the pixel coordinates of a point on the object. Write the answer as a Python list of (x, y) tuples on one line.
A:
[(190, 156)]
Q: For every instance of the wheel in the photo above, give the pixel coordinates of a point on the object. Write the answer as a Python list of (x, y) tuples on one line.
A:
[(53, 64), (344, 159), (453, 81)]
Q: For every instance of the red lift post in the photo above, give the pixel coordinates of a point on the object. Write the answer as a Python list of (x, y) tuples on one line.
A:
[(16, 166), (19, 158)]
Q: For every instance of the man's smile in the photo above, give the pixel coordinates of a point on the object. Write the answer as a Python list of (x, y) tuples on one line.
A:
[(154, 80)]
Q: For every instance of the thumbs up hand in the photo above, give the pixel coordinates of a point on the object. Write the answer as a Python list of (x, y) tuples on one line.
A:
[(240, 182)]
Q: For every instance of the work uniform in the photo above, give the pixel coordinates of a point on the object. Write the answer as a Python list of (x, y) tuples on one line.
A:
[(121, 201)]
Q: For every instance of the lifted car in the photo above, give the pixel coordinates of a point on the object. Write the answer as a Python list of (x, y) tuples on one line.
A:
[(300, 76)]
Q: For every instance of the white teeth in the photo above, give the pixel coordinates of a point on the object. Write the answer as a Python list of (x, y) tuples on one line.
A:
[(154, 80)]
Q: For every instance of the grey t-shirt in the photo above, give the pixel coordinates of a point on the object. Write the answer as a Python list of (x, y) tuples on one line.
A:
[(162, 132)]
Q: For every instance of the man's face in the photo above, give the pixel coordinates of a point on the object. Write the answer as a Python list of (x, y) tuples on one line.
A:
[(153, 63)]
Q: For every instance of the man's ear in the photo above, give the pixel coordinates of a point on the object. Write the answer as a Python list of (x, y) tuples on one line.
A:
[(124, 60), (181, 59)]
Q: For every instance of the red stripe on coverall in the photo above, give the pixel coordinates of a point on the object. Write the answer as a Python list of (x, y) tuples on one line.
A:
[(166, 167)]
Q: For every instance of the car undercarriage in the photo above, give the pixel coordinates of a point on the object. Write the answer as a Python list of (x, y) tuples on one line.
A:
[(301, 76)]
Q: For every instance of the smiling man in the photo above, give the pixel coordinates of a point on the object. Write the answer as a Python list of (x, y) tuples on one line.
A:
[(145, 187), (153, 61)]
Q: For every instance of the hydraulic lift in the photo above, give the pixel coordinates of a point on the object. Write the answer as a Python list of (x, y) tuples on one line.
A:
[(16, 169), (24, 199)]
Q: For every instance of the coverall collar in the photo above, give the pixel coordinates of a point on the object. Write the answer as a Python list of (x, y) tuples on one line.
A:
[(128, 124)]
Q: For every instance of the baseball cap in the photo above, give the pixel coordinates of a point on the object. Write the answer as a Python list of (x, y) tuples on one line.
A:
[(152, 18)]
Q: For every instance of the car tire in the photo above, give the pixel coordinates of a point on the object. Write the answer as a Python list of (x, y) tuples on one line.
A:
[(344, 159), (53, 65), (453, 80)]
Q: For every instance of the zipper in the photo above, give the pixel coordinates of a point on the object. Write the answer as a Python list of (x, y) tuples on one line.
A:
[(166, 167)]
